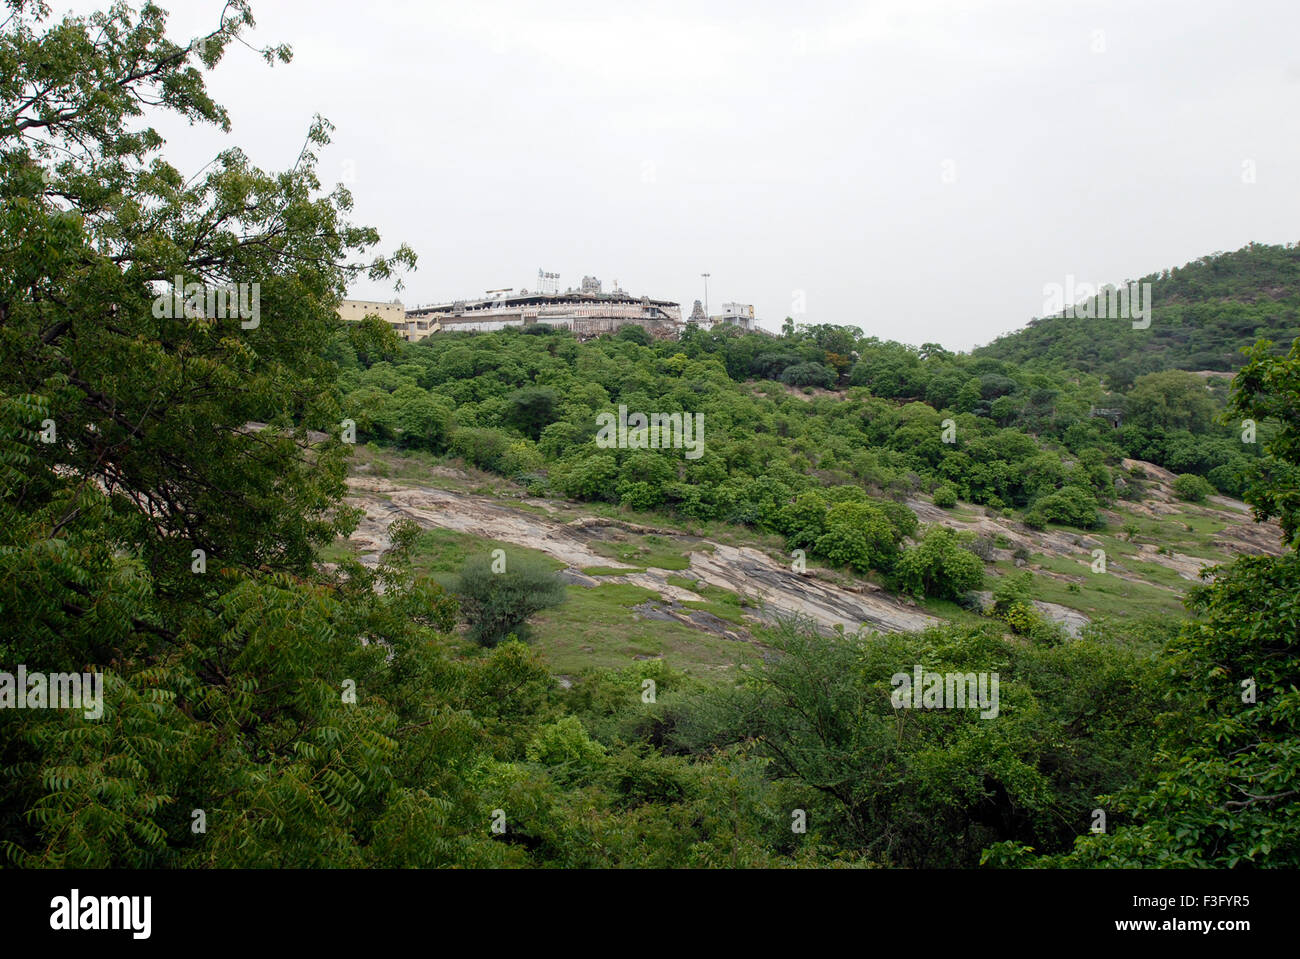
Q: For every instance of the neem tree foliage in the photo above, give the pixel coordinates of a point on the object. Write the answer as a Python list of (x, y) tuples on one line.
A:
[(146, 534)]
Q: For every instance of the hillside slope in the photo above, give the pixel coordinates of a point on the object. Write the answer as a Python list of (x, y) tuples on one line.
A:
[(698, 598), (1203, 314)]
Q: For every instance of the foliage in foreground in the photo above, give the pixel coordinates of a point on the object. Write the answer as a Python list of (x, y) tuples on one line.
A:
[(262, 710)]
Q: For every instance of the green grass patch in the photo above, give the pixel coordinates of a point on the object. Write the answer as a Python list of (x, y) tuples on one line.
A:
[(596, 627), (724, 611), (337, 551), (1172, 531), (421, 468), (729, 534), (722, 603), (644, 550), (440, 553), (952, 612), (1100, 594)]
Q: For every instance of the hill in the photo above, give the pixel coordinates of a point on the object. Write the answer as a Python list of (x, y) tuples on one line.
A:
[(1203, 314)]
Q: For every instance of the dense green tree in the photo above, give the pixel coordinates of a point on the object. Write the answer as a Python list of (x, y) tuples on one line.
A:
[(498, 594), (374, 340), (924, 787), (150, 536), (945, 495), (938, 566), (804, 520), (1268, 389), (809, 374), (1170, 400), (169, 473), (634, 334), (1191, 487), (1202, 316), (484, 448), (532, 409), (591, 477), (423, 421), (1072, 505), (858, 535)]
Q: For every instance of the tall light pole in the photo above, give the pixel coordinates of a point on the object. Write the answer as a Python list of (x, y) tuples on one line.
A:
[(706, 295)]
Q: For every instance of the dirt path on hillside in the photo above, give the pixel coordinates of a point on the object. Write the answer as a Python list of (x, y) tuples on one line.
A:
[(774, 589)]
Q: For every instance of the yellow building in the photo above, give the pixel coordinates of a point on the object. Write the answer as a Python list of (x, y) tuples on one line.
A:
[(354, 311)]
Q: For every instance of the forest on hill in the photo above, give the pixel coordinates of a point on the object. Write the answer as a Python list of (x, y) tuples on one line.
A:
[(268, 700), (817, 407), (1203, 316)]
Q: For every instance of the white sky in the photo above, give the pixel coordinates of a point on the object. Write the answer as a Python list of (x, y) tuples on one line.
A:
[(785, 147)]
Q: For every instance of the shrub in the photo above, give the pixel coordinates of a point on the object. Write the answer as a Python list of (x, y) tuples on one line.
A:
[(938, 566), (1131, 490), (803, 521), (647, 466), (536, 484), (900, 517), (1232, 478), (902, 485), (1073, 506), (945, 496), (424, 423), (858, 535), (809, 374), (640, 496), (374, 340), (981, 546), (496, 604), (1010, 590), (521, 458), (633, 334), (1022, 618), (591, 477), (565, 745), (768, 366), (1194, 488), (483, 448), (846, 494), (531, 409)]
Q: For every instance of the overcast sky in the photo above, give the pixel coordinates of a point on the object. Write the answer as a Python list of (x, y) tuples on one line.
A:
[(918, 168)]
